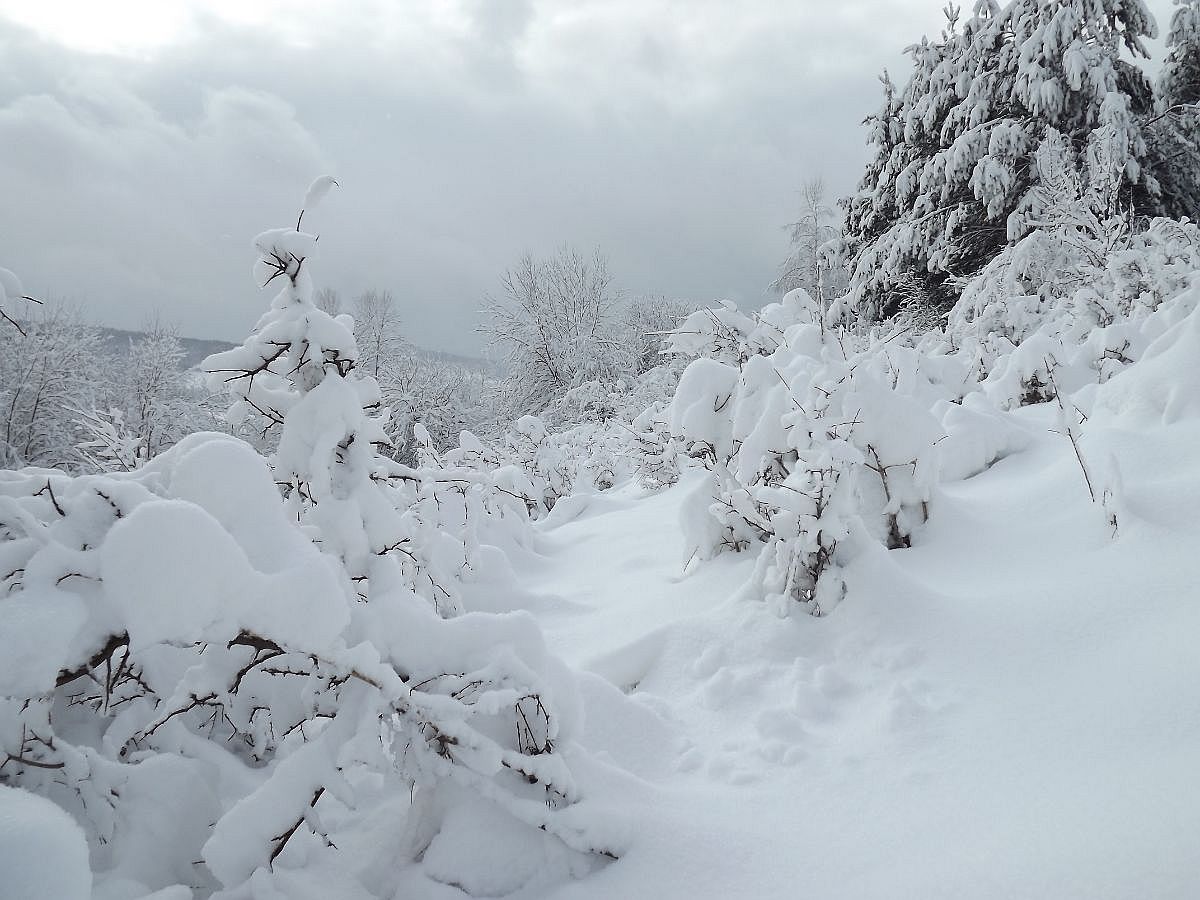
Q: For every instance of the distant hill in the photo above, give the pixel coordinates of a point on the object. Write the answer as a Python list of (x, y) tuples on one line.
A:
[(196, 349)]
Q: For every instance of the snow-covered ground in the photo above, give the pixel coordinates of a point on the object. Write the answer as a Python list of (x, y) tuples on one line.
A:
[(1008, 709)]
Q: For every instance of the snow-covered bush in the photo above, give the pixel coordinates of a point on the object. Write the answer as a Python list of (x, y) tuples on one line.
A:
[(200, 639), (228, 669), (727, 335), (815, 442), (1075, 292)]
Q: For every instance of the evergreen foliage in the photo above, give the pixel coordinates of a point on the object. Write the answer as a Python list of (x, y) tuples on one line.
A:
[(950, 177)]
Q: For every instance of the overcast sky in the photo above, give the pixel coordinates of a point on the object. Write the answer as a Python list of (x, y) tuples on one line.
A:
[(143, 143)]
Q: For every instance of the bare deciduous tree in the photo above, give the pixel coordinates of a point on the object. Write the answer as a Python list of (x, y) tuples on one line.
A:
[(376, 330), (552, 327), (328, 300), (808, 266)]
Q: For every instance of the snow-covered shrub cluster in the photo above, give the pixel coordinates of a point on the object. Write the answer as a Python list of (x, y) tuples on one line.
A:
[(606, 437), (227, 669), (822, 440), (1078, 294), (528, 464), (816, 442), (177, 650)]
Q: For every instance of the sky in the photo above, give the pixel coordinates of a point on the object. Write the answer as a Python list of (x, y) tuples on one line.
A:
[(143, 144)]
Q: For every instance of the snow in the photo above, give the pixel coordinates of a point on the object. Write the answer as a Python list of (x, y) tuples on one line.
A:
[(1165, 385), (43, 853), (10, 285), (317, 191), (1002, 710), (197, 581), (39, 628)]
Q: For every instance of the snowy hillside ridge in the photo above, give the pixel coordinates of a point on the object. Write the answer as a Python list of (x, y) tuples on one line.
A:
[(1005, 709), (822, 441)]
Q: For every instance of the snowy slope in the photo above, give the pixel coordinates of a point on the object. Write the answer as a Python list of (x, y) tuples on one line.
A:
[(1008, 709)]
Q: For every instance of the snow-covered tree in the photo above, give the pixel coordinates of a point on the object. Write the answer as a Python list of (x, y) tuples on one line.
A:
[(328, 300), (552, 328), (149, 406), (57, 364), (1179, 79), (151, 403), (377, 330), (949, 179), (643, 324), (810, 264), (422, 389), (1173, 128)]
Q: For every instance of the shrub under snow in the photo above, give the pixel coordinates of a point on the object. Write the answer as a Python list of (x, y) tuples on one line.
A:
[(822, 442), (227, 668), (816, 443)]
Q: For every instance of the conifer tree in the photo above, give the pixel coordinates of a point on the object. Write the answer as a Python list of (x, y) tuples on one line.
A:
[(1179, 82), (1173, 132), (938, 203)]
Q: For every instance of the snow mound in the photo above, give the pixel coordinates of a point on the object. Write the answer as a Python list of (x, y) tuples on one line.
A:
[(43, 852)]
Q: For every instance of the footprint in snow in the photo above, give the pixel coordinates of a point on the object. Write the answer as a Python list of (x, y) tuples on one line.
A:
[(728, 767), (689, 760), (722, 688), (709, 661)]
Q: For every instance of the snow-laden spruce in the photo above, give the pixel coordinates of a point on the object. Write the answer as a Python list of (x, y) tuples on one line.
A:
[(947, 186), (1173, 132), (228, 669), (1078, 298)]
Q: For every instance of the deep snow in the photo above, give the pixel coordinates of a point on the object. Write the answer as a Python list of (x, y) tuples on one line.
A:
[(1008, 709)]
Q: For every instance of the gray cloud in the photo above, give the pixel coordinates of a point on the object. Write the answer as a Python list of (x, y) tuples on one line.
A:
[(671, 134)]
